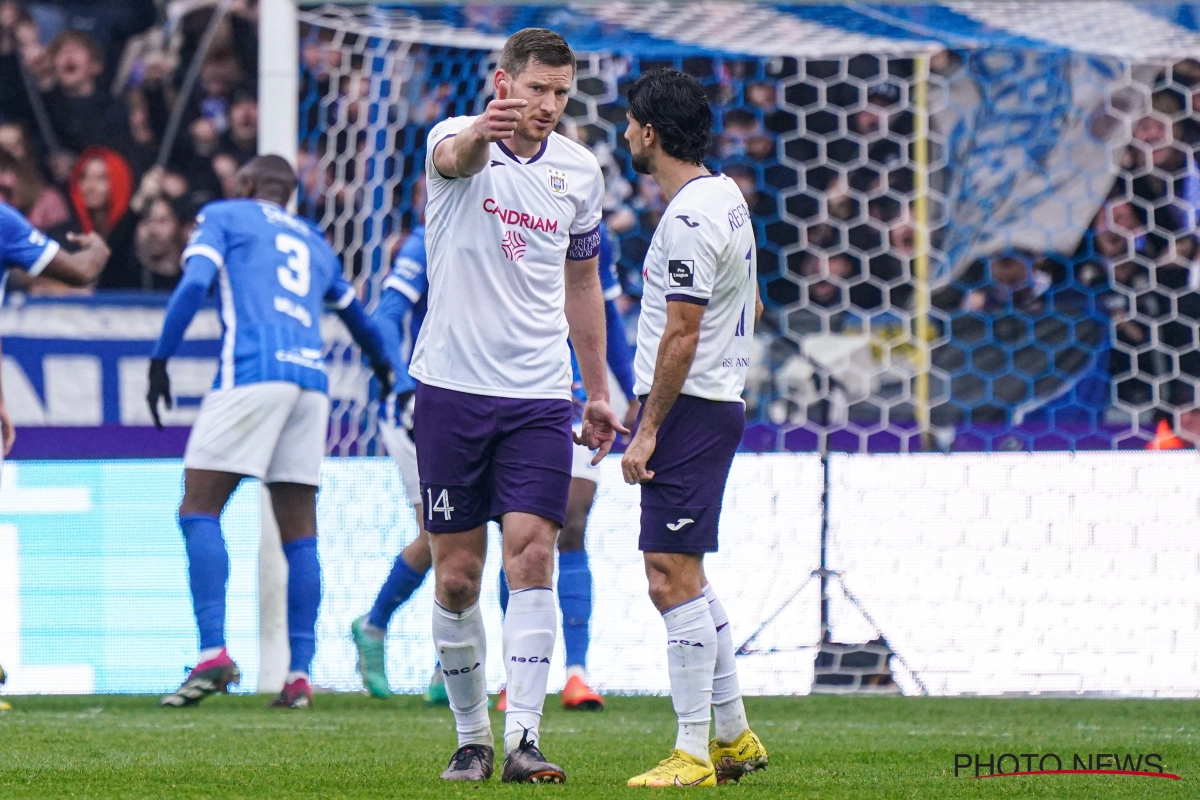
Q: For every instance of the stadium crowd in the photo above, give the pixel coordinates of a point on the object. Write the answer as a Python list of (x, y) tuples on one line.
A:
[(87, 91), (822, 152)]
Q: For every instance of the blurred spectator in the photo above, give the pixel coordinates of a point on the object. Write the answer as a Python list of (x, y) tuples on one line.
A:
[(110, 23), (241, 138), (760, 204), (101, 192), (226, 166), (160, 239), (82, 114), (41, 203), (742, 135), (20, 47), (1015, 282)]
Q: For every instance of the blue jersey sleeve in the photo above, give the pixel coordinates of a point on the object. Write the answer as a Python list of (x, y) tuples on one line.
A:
[(408, 276), (23, 245), (341, 292), (620, 354), (389, 316), (610, 285), (208, 240)]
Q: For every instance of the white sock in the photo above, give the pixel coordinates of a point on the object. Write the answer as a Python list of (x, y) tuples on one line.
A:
[(462, 651), (728, 708), (209, 653), (529, 628), (691, 659), (296, 675), (577, 671), (372, 631)]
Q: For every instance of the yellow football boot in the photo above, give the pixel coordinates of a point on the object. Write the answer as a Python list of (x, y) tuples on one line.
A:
[(678, 769), (736, 759)]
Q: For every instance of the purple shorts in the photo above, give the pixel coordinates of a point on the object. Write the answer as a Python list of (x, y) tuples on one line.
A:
[(681, 507), (480, 457)]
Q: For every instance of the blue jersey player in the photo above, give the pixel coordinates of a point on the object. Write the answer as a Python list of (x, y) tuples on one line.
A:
[(23, 246), (399, 316), (268, 412)]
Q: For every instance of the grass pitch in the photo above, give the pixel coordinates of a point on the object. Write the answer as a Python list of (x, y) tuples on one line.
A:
[(352, 746)]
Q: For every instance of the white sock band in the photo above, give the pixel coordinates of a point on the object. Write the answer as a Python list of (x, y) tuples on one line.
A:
[(691, 659), (462, 651), (728, 709), (529, 629)]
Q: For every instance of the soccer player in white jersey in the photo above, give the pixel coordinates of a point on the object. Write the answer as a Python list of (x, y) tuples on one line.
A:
[(699, 306), (268, 413), (512, 236)]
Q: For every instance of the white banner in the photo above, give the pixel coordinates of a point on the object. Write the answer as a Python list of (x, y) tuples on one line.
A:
[(1023, 572)]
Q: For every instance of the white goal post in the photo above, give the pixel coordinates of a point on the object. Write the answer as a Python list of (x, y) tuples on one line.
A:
[(278, 134)]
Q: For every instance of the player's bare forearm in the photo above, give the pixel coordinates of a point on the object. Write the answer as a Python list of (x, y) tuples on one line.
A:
[(82, 267), (585, 316), (463, 156), (467, 153), (676, 352), (758, 305)]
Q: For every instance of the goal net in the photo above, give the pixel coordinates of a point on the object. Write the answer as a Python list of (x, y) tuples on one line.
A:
[(976, 221), (977, 232)]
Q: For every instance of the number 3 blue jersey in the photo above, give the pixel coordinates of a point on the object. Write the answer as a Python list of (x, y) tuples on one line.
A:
[(274, 273)]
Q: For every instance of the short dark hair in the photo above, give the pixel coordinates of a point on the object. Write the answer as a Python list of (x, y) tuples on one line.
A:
[(541, 44), (272, 176), (675, 104), (95, 51)]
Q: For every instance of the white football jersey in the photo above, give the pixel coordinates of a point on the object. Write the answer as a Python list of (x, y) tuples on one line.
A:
[(702, 252), (497, 243)]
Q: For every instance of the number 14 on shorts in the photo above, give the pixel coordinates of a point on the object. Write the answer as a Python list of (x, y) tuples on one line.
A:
[(439, 506)]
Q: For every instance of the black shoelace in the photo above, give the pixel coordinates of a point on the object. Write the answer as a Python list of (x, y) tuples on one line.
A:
[(465, 755), (530, 747)]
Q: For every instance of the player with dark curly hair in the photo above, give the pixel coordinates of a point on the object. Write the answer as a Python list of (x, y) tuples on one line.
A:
[(699, 306)]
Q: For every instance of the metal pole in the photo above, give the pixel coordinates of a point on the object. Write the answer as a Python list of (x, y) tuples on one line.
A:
[(920, 260), (278, 79), (189, 83), (278, 134)]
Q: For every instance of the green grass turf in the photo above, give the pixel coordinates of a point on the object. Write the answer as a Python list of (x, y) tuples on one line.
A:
[(352, 746)]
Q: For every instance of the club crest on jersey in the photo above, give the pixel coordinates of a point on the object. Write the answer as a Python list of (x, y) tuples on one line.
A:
[(681, 274), (556, 179)]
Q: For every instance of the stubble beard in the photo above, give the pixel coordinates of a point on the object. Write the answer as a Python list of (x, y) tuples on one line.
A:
[(640, 163)]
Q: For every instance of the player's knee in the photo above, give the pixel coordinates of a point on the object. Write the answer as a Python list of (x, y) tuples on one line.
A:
[(457, 590), (661, 590), (533, 565)]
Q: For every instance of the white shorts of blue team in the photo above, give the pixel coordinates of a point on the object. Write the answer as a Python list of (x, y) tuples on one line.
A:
[(581, 461), (398, 442), (273, 431)]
